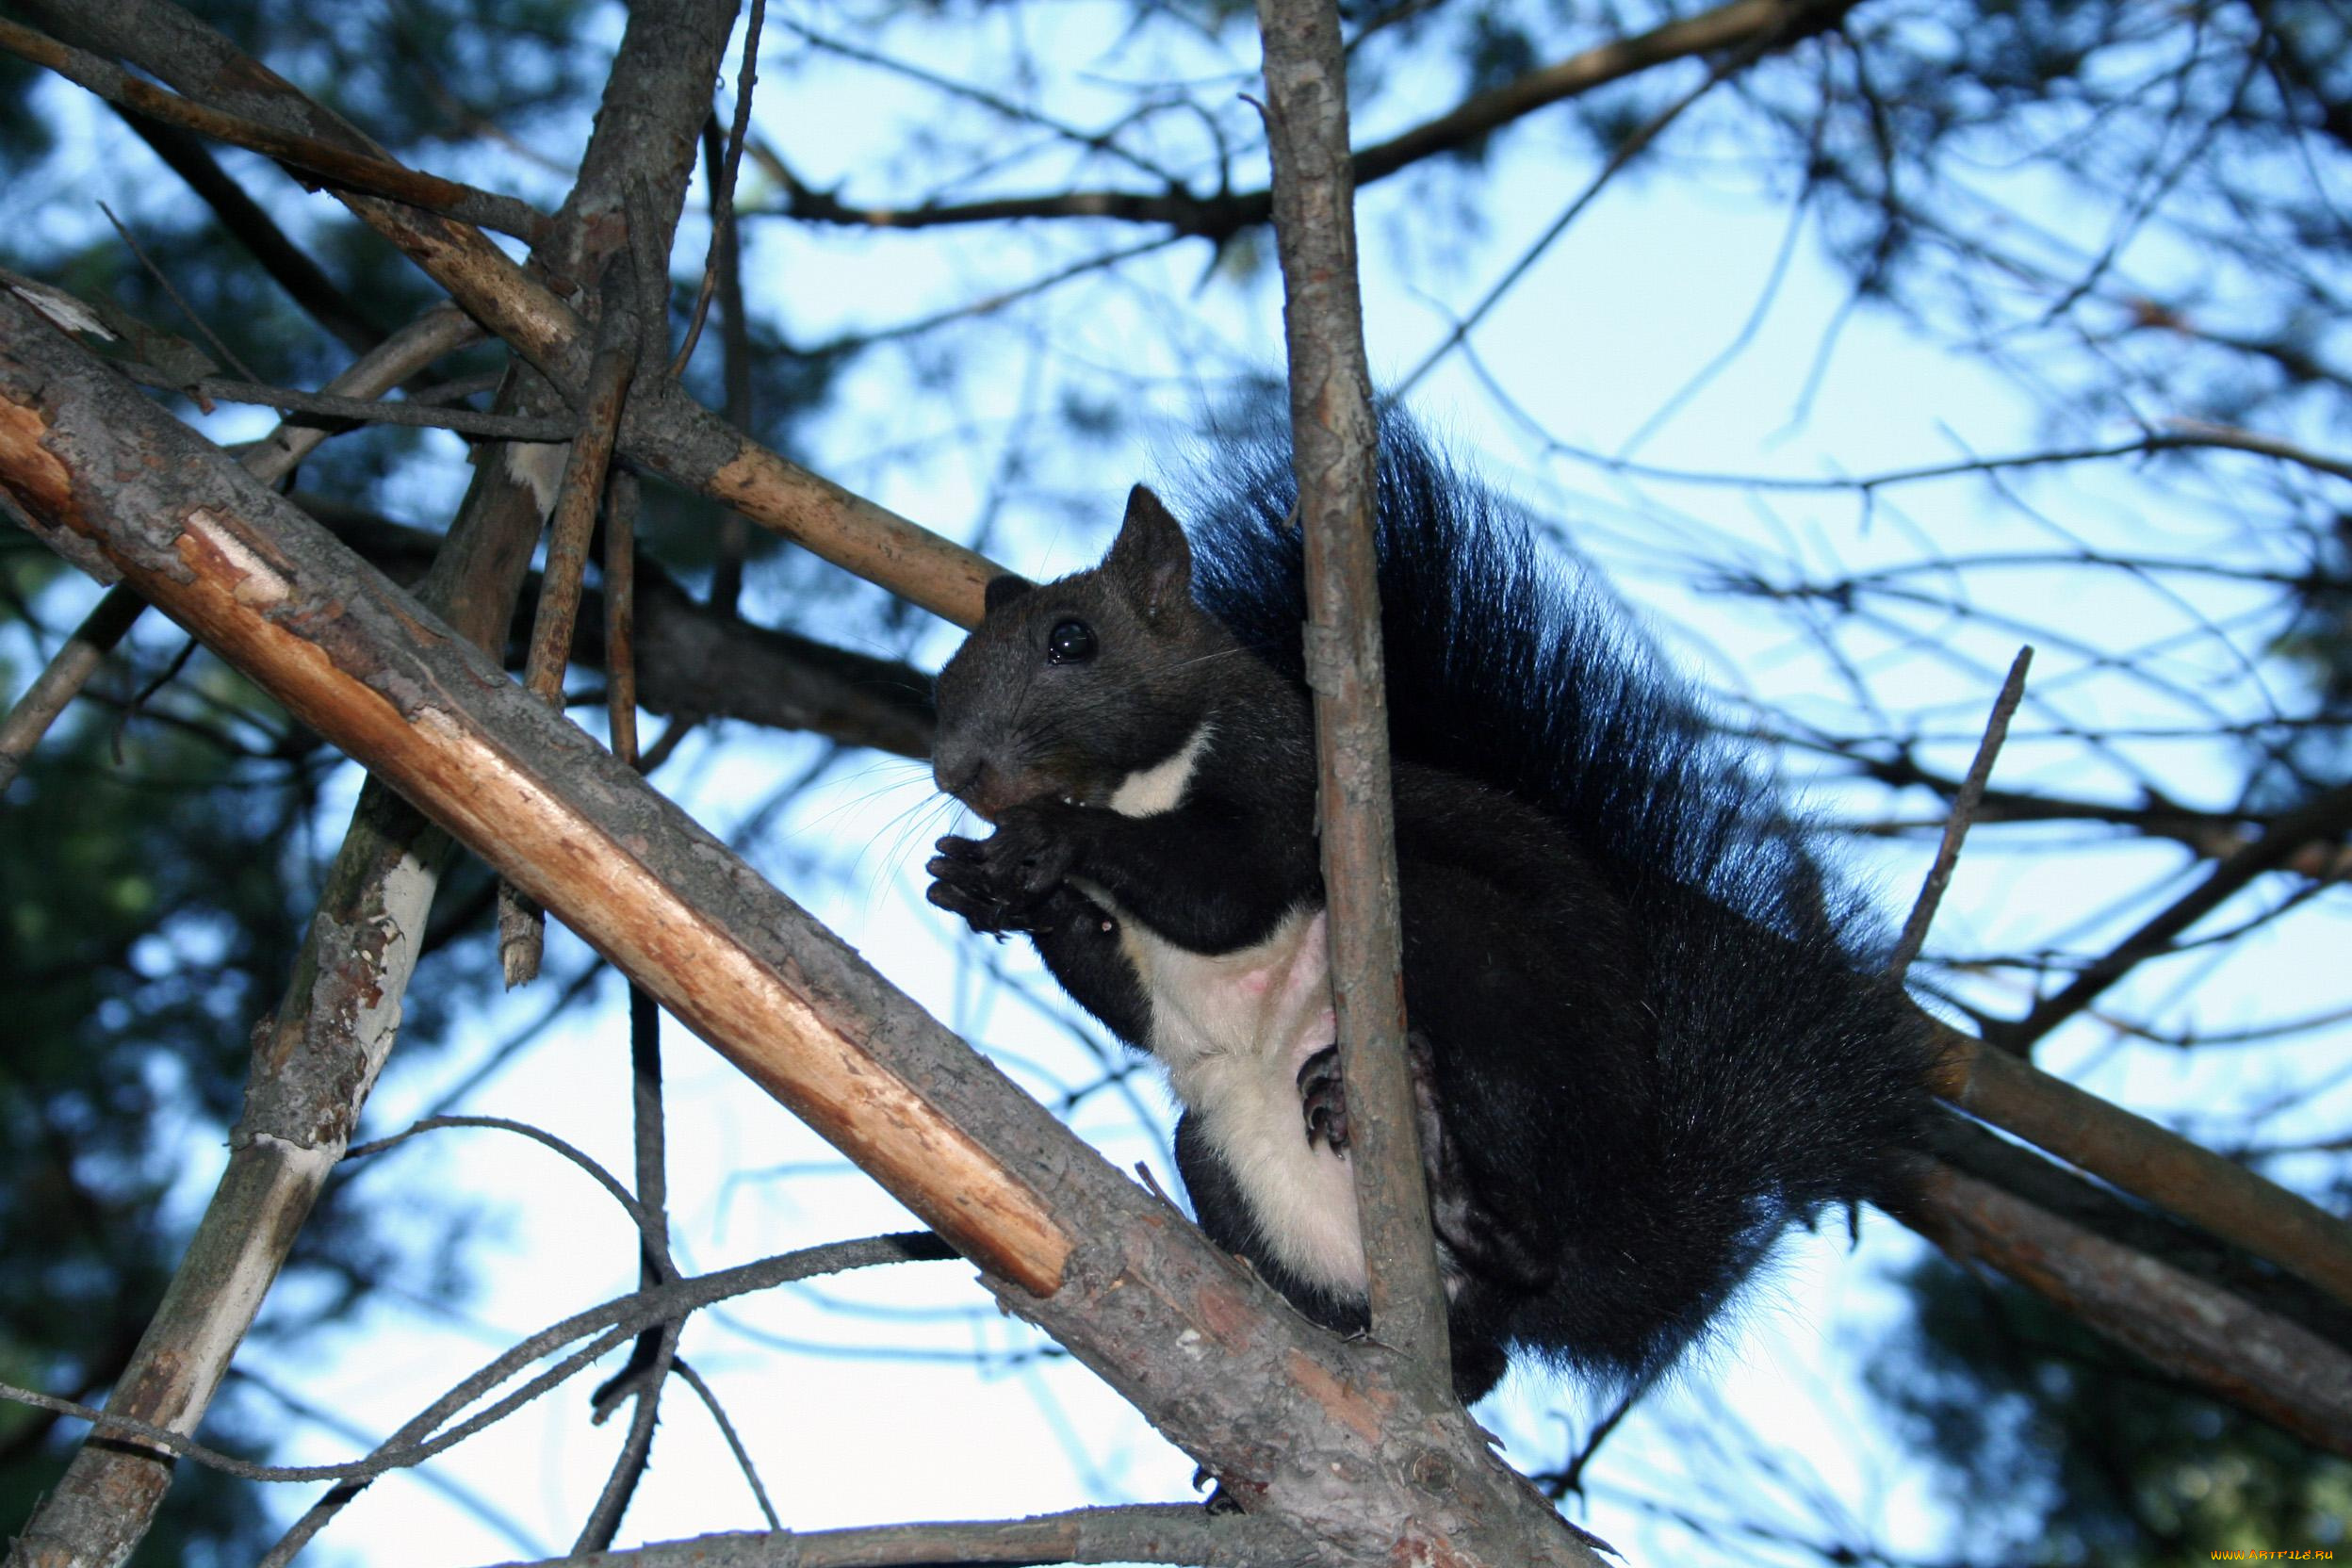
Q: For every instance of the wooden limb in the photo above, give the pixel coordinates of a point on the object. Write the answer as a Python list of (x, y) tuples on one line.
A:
[(317, 1059), (2217, 1195), (289, 266), (522, 926), (348, 168), (1335, 442), (1148, 1532), (666, 429), (436, 332), (62, 679), (691, 659), (2282, 1372), (647, 1371), (1738, 24), (2322, 820), (721, 164), (1292, 1419)]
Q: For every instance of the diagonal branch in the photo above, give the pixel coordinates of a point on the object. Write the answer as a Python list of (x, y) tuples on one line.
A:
[(1730, 27), (2220, 1196), (345, 167), (665, 429), (1293, 1419), (2280, 1371)]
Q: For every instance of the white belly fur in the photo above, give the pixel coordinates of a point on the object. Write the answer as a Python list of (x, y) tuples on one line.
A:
[(1232, 1031)]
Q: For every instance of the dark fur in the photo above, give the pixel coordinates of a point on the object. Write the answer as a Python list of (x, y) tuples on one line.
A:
[(1646, 1040)]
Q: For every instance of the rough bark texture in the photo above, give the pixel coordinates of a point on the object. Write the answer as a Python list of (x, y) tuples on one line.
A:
[(2280, 1371), (1290, 1419), (1334, 440), (318, 1057)]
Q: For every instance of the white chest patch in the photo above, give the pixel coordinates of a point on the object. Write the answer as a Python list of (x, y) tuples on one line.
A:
[(1232, 1031), (1148, 792)]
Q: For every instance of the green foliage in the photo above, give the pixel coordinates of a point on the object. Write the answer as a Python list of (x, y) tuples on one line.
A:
[(2059, 1448), (155, 875)]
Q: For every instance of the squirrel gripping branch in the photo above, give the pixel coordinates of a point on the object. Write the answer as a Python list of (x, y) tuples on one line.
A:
[(1644, 1035)]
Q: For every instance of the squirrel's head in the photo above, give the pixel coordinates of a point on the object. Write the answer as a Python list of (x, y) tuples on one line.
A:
[(1067, 687)]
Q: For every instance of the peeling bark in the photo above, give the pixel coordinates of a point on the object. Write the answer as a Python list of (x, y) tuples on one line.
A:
[(1295, 1421)]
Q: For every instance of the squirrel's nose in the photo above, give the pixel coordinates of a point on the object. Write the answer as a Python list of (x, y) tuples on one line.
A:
[(955, 763)]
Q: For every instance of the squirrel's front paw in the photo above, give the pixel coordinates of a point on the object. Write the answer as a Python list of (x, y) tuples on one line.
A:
[(1323, 1099), (999, 883)]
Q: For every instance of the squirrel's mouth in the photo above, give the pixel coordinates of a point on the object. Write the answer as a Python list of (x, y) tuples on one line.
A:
[(991, 793)]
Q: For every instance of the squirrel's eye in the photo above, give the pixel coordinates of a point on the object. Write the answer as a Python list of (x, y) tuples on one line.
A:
[(1070, 642)]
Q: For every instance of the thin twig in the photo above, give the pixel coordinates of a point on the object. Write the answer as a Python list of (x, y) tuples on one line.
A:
[(521, 923), (1963, 806), (685, 1371), (64, 676), (653, 1233), (2323, 819), (371, 174), (620, 614), (1625, 153), (358, 411), (650, 1362), (621, 1319), (723, 188), (163, 281)]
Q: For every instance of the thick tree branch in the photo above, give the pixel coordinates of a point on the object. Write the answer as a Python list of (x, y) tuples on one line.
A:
[(1167, 1532), (368, 171), (2216, 1194), (2282, 1372), (666, 430), (318, 1055), (1290, 1419)]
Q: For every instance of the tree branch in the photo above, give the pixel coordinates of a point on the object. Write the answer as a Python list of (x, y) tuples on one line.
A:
[(1293, 1419), (2216, 1194), (368, 171), (1220, 217), (2281, 1372), (1333, 444)]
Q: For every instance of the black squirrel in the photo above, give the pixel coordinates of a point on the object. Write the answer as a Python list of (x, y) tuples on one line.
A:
[(1644, 1033)]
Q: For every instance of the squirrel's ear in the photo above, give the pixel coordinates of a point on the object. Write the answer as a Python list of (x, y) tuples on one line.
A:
[(1002, 590), (1150, 559)]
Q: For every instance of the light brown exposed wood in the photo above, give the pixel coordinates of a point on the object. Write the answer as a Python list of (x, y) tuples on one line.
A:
[(500, 803), (1205, 1349), (423, 724)]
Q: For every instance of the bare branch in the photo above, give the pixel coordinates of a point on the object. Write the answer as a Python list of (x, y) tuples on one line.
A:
[(1166, 1532), (2288, 1375), (1221, 216), (2222, 1197), (2319, 821), (1299, 1422), (1963, 806), (666, 429), (366, 172), (1333, 441)]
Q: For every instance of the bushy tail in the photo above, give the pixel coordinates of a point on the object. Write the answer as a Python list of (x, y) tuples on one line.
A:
[(1789, 1076)]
